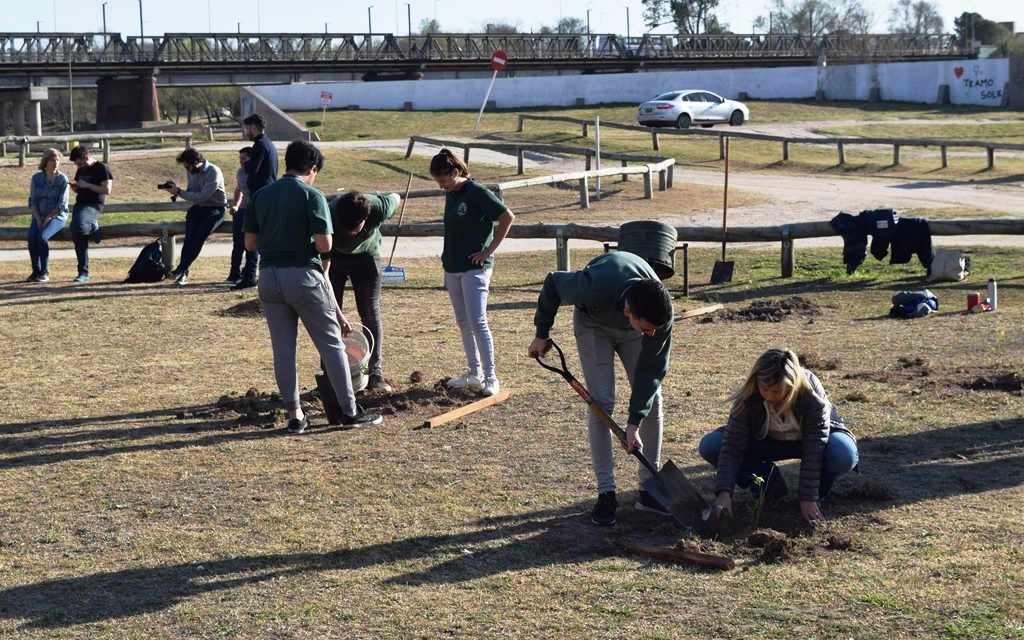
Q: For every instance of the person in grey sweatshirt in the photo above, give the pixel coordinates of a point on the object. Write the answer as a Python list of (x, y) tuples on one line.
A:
[(205, 190)]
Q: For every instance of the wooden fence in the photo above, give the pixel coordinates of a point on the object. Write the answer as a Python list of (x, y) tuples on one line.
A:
[(840, 143), (25, 143)]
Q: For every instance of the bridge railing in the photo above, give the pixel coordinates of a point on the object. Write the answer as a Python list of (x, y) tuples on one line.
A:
[(839, 142)]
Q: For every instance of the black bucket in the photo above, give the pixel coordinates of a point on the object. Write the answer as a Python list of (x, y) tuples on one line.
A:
[(653, 241)]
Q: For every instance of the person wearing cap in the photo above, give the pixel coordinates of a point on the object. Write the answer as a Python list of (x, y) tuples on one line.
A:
[(621, 308)]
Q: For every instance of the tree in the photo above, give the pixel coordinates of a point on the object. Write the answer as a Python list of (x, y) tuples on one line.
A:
[(972, 26), (500, 27), (820, 17), (429, 26), (922, 17), (689, 16), (571, 25)]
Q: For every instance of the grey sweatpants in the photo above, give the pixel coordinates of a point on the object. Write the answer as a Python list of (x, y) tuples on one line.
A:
[(287, 295), (598, 345)]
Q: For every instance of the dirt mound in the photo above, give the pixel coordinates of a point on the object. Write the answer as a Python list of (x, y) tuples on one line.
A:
[(775, 546), (253, 408), (1010, 382), (433, 400), (920, 373), (768, 311), (815, 362), (247, 309)]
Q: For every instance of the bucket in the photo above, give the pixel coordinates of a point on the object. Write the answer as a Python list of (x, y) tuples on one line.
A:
[(358, 346), (653, 241)]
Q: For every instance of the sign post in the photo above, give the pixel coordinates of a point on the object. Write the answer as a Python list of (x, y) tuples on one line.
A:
[(326, 97), (498, 62)]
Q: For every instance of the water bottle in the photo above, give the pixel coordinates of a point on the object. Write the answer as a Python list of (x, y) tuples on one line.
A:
[(992, 293)]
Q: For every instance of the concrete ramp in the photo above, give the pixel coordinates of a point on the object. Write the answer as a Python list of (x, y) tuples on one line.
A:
[(280, 126)]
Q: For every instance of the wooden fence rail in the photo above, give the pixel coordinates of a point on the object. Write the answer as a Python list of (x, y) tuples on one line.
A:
[(561, 233), (840, 143), (24, 143)]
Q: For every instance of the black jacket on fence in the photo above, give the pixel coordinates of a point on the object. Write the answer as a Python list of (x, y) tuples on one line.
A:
[(905, 236)]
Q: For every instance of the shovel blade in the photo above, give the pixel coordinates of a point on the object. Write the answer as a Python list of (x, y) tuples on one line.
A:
[(677, 494), (722, 272)]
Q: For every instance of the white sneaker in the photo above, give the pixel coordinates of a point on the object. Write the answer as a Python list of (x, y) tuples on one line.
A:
[(467, 381), (491, 387)]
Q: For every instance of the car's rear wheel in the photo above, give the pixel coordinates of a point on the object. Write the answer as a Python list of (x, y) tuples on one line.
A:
[(736, 119), (683, 121)]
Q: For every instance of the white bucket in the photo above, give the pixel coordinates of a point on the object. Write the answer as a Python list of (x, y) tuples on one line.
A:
[(358, 346)]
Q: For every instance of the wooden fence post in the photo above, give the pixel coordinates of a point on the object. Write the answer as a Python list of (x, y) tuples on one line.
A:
[(842, 152), (648, 189), (584, 194), (408, 150), (625, 176), (587, 163), (721, 146), (991, 157), (895, 154), (945, 163), (561, 250), (662, 180), (21, 153), (105, 145), (671, 174), (167, 245), (465, 154), (585, 125), (519, 127), (787, 253), (785, 150), (519, 161), (654, 141)]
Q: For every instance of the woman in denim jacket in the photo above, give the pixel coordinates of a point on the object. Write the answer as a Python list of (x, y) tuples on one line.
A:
[(780, 413), (48, 200)]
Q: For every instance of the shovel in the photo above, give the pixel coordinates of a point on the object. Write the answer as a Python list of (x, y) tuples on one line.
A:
[(397, 274), (722, 271), (669, 487)]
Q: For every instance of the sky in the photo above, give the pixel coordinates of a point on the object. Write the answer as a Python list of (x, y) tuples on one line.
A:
[(392, 16)]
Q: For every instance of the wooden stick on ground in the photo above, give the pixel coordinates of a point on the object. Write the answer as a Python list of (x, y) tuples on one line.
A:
[(467, 409), (681, 556), (699, 311)]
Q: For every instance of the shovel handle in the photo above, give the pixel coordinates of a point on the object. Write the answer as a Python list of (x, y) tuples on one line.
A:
[(401, 216), (598, 410)]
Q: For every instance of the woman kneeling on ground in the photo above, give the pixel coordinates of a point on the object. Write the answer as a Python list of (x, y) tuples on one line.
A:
[(780, 413)]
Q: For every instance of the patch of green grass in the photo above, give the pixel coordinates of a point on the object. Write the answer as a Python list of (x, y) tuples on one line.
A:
[(982, 624)]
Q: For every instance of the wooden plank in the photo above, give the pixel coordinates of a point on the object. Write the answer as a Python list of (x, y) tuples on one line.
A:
[(467, 409), (682, 556), (700, 311)]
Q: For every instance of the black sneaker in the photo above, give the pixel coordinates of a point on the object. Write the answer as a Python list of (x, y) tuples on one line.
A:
[(378, 383), (604, 511), (32, 278), (245, 283), (362, 418), (646, 502), (298, 425), (42, 277)]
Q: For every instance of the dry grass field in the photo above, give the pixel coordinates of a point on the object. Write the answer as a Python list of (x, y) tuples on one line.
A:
[(149, 489)]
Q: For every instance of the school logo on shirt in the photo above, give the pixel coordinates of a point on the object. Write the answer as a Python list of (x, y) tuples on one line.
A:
[(462, 209)]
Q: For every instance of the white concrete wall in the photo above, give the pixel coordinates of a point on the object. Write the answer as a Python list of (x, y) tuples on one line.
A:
[(978, 82)]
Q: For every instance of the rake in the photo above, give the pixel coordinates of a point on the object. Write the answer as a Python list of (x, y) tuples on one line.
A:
[(391, 273)]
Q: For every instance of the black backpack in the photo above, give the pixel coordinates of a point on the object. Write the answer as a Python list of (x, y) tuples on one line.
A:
[(149, 266)]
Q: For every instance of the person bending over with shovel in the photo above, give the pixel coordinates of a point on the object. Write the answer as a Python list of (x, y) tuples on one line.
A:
[(621, 308), (781, 412)]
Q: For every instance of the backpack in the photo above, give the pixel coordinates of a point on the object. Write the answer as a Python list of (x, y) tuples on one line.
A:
[(913, 304), (149, 266), (949, 265)]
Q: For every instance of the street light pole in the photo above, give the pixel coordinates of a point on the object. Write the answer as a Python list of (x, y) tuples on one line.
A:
[(141, 34), (588, 22), (71, 96), (369, 21), (408, 21), (104, 17), (325, 27), (627, 23)]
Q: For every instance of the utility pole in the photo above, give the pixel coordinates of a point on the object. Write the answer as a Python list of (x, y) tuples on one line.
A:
[(627, 23), (408, 21), (141, 34), (104, 17), (369, 21)]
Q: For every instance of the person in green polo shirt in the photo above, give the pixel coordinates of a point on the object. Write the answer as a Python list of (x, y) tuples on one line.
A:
[(475, 223), (355, 257), (289, 224), (621, 309)]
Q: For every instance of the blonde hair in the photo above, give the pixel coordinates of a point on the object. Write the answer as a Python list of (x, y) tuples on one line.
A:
[(773, 367), (49, 153), (445, 162)]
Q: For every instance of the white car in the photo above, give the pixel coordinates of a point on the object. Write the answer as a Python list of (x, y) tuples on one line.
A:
[(685, 108)]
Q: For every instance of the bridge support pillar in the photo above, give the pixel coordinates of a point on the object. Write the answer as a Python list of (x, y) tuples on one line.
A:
[(5, 115), (19, 118), (127, 102)]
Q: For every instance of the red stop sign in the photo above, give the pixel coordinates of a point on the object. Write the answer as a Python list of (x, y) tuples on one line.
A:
[(499, 60)]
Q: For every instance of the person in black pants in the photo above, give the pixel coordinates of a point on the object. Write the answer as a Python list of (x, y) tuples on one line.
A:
[(241, 273), (205, 190), (92, 184), (260, 170)]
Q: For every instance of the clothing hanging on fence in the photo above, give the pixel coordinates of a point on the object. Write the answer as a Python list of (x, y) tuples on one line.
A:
[(905, 236)]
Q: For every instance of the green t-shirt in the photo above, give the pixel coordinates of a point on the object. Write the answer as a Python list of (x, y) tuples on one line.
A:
[(469, 217), (368, 239), (286, 214)]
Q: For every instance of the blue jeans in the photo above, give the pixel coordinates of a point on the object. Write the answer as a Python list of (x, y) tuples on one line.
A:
[(39, 242), (759, 457), (85, 221), (199, 224), (252, 258), (468, 292), (364, 271)]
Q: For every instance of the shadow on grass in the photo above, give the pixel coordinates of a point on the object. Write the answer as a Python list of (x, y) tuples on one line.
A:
[(113, 435), (22, 293)]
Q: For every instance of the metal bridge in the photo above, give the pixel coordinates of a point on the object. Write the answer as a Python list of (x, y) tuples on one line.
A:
[(42, 54)]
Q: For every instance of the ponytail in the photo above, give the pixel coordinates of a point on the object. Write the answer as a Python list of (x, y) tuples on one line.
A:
[(445, 162)]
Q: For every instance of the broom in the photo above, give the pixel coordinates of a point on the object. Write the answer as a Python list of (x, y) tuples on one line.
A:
[(393, 274)]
